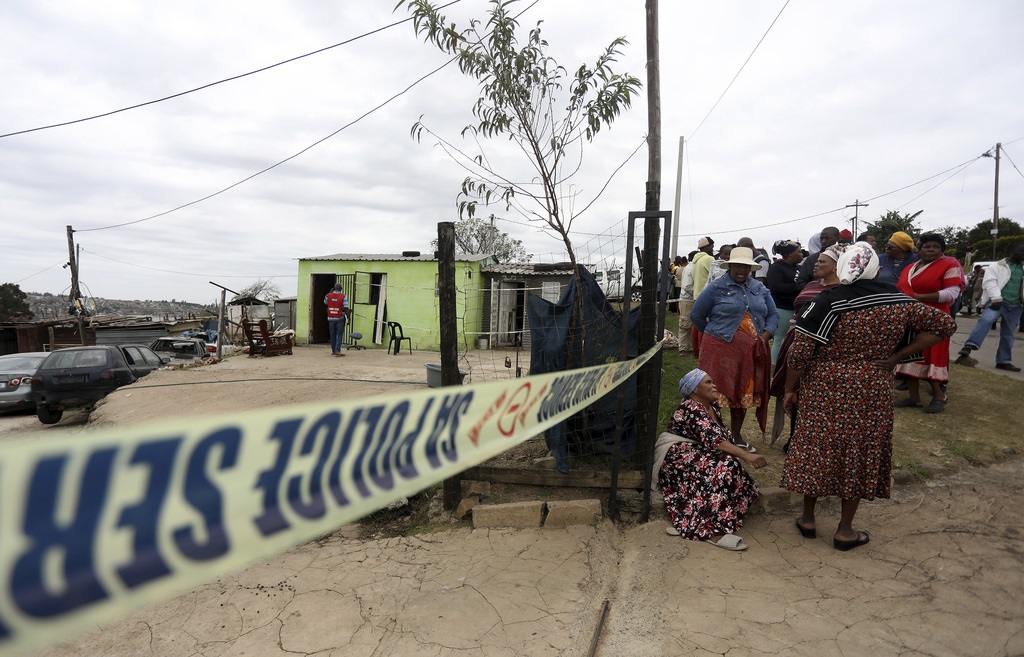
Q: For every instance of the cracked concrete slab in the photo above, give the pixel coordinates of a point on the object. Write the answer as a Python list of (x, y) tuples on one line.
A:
[(943, 575)]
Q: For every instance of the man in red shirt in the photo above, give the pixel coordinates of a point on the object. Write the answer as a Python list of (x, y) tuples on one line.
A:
[(337, 313)]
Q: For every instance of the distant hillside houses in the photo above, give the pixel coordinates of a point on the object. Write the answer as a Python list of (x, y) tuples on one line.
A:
[(46, 306)]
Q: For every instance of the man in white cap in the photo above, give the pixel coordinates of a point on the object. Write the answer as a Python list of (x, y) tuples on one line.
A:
[(702, 264)]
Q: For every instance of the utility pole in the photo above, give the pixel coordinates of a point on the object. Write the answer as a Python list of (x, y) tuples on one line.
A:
[(857, 205), (675, 214), (75, 294), (995, 202)]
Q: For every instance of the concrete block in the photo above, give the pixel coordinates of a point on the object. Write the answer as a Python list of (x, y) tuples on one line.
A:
[(573, 512), (466, 505), (516, 514)]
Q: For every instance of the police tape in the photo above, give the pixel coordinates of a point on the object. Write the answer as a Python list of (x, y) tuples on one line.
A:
[(97, 524)]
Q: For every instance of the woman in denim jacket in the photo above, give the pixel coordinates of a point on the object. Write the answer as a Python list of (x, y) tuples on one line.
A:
[(738, 317)]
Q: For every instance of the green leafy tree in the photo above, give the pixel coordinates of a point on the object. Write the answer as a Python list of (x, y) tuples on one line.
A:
[(522, 100), (14, 303), (983, 231), (957, 240), (473, 235), (893, 222)]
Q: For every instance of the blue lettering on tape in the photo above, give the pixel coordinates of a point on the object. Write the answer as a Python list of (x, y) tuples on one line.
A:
[(74, 541), (334, 478), (206, 498), (372, 418), (144, 517), (327, 425), (272, 519)]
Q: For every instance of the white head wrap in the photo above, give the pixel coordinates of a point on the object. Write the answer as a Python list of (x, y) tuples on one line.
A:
[(857, 262)]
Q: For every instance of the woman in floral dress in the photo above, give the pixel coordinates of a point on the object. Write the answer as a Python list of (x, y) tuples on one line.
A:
[(848, 341), (700, 470)]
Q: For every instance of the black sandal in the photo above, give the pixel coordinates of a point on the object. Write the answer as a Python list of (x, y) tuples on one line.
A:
[(845, 546), (805, 532)]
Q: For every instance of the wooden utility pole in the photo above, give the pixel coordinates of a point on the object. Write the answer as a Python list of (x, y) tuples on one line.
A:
[(653, 110), (857, 205), (649, 376), (75, 294), (995, 205), (449, 332)]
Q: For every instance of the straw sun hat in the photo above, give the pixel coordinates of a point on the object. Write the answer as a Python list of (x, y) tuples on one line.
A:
[(741, 255)]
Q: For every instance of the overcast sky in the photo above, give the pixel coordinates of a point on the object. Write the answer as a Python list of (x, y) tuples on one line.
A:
[(841, 101)]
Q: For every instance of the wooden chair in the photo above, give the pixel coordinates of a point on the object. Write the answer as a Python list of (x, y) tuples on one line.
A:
[(263, 342), (397, 336)]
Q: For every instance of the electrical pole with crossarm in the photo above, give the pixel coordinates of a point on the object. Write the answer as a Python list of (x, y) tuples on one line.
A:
[(857, 205)]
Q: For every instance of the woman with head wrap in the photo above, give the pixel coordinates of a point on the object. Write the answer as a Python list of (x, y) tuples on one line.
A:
[(737, 316), (700, 471), (848, 340), (935, 280), (897, 256), (781, 282)]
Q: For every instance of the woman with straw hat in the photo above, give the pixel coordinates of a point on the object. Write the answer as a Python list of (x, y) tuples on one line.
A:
[(738, 317)]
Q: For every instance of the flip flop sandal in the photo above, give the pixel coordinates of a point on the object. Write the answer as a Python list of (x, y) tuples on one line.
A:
[(936, 406), (805, 532), (671, 530), (906, 403), (844, 546), (730, 542), (746, 447)]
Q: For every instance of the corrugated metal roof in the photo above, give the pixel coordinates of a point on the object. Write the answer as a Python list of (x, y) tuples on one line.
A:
[(396, 257), (523, 270)]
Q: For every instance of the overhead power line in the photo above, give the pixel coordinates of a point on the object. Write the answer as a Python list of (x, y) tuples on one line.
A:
[(307, 148), (213, 84), (729, 86)]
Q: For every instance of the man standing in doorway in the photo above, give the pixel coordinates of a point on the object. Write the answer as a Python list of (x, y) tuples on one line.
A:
[(1003, 287), (337, 313)]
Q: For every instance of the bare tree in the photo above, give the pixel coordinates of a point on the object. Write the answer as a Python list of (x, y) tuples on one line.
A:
[(263, 289), (522, 100), (474, 235)]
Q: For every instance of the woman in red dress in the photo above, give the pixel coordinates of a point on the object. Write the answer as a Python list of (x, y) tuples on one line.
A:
[(935, 280)]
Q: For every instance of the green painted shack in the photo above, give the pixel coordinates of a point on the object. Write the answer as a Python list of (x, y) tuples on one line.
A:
[(384, 288)]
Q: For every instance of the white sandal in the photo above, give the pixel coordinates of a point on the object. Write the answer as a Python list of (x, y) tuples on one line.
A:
[(730, 542), (671, 530)]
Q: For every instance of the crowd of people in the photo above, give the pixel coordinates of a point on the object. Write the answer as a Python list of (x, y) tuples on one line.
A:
[(830, 332)]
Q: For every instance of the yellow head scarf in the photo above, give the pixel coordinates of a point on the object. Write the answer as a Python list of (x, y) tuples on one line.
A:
[(903, 241)]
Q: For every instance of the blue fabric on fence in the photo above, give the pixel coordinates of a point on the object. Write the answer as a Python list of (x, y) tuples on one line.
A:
[(551, 351)]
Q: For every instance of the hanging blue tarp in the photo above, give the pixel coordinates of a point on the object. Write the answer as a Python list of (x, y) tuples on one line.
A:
[(592, 430)]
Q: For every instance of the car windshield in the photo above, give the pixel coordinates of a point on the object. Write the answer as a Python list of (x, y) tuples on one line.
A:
[(20, 363), (77, 358)]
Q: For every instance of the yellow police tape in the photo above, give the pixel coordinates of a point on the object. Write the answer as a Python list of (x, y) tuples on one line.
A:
[(98, 524)]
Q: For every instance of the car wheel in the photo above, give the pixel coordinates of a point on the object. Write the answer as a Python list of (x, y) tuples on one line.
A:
[(49, 415), (636, 295)]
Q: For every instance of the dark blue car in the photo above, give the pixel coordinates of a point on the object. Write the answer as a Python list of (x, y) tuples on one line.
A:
[(81, 376)]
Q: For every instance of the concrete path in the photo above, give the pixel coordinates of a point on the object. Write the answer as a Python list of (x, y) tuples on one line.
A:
[(943, 575)]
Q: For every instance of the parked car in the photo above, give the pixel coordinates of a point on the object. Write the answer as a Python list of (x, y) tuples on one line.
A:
[(16, 372), (81, 376), (612, 283), (180, 349)]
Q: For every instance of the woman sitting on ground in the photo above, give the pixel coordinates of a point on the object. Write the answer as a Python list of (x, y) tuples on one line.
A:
[(706, 489)]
